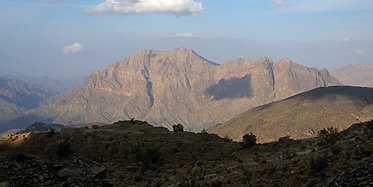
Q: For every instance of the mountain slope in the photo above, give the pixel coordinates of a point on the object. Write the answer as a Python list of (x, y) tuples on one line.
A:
[(17, 96), (301, 116), (180, 86), (354, 75)]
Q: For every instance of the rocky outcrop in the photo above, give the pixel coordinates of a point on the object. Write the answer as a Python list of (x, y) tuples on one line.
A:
[(360, 175), (24, 170), (179, 86)]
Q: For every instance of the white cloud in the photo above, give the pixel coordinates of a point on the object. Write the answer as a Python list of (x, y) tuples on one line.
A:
[(74, 48), (176, 7), (184, 35), (360, 51), (346, 39), (281, 3)]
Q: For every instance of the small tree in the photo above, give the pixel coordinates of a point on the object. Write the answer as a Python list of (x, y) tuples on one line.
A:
[(249, 140), (178, 128), (318, 163), (328, 135)]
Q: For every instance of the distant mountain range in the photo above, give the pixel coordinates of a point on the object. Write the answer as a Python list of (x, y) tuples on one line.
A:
[(301, 116), (179, 86), (354, 75), (17, 96), (55, 86)]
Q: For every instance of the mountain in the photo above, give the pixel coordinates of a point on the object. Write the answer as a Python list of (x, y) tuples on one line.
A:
[(354, 75), (17, 96), (55, 86), (180, 86), (301, 116)]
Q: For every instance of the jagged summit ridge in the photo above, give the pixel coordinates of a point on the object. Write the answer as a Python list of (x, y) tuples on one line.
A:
[(180, 86)]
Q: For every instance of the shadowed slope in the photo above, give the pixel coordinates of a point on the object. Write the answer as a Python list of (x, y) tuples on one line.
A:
[(301, 116)]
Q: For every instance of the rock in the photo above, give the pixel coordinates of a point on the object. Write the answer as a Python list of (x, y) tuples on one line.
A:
[(39, 173), (351, 177)]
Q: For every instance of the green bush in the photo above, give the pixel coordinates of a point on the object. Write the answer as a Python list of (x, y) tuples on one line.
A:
[(249, 140), (150, 155), (63, 149), (285, 139), (51, 133), (329, 135), (178, 128), (318, 163)]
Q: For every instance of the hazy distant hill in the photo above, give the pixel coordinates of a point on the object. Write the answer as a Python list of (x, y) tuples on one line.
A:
[(180, 86), (17, 96), (354, 75), (56, 86), (301, 116)]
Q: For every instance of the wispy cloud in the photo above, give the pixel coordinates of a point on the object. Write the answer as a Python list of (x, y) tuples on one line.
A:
[(176, 7), (346, 39), (360, 51), (281, 3), (74, 48), (184, 35)]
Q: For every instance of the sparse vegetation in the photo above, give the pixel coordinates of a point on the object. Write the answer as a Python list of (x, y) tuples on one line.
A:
[(178, 128), (148, 156), (249, 140)]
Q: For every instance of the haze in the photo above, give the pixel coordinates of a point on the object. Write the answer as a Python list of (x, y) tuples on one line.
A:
[(65, 38)]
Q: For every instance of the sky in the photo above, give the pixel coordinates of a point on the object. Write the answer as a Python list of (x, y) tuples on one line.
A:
[(67, 38)]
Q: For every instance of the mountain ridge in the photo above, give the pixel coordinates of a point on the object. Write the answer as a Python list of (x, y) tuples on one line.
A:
[(180, 86)]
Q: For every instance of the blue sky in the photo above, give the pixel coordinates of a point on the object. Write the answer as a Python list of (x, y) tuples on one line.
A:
[(64, 38)]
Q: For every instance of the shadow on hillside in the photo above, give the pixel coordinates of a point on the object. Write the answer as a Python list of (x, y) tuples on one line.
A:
[(231, 88), (359, 93)]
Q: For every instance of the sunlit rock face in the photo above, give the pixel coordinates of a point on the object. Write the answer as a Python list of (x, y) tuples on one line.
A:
[(180, 86)]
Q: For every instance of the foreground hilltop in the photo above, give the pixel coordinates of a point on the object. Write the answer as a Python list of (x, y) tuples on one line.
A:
[(180, 86), (136, 153), (301, 116)]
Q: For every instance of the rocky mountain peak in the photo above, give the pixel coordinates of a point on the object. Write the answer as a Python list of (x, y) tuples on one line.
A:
[(180, 86)]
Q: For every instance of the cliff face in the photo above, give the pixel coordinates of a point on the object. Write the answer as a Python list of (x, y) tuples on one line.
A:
[(179, 86)]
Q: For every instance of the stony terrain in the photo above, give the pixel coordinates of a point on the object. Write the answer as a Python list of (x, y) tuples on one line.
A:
[(301, 116), (180, 86), (134, 153), (354, 75)]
